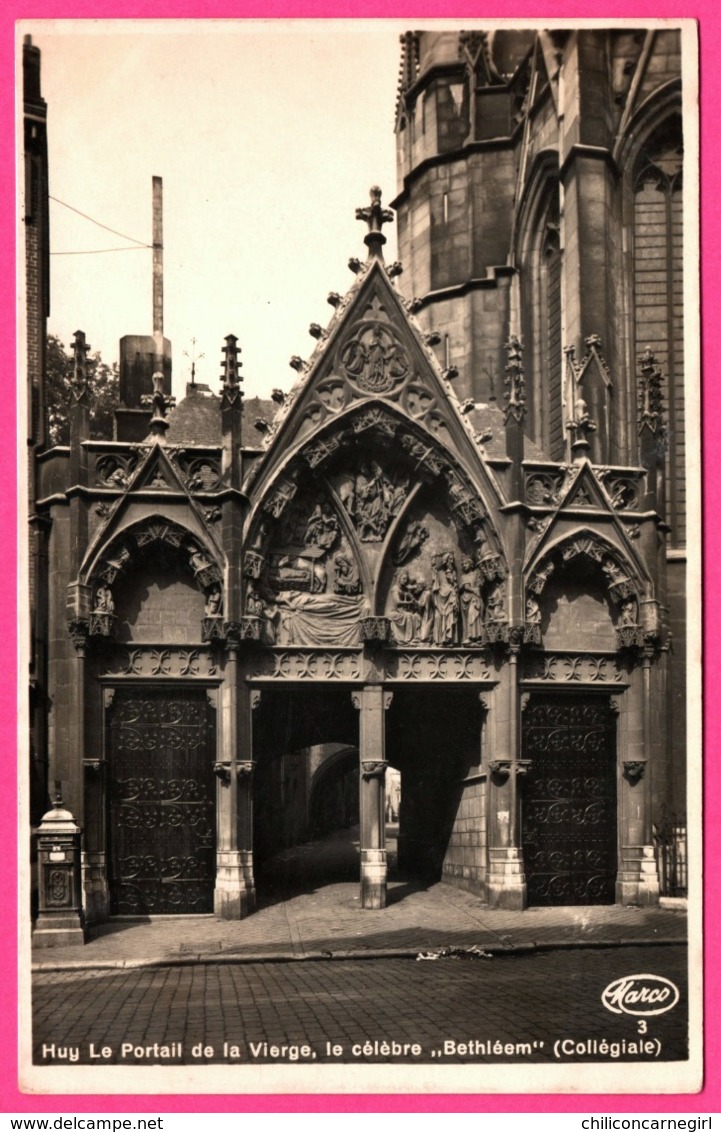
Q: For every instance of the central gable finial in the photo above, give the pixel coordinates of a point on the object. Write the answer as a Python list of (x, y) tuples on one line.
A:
[(375, 217)]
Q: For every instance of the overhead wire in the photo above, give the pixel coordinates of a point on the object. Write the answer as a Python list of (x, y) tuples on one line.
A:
[(100, 251)]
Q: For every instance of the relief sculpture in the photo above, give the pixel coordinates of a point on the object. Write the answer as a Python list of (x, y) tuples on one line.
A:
[(471, 602), (309, 593), (373, 497), (427, 612)]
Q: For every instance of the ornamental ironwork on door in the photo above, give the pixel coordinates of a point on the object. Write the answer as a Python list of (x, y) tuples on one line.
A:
[(161, 794), (569, 800)]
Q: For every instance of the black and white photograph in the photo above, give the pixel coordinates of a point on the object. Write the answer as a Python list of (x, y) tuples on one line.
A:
[(359, 382)]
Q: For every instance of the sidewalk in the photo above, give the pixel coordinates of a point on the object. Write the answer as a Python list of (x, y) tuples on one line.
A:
[(326, 921)]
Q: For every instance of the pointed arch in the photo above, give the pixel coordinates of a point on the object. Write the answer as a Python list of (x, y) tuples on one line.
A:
[(594, 545), (427, 458), (115, 557)]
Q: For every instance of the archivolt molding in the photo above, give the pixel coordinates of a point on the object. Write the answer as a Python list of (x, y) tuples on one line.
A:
[(427, 458), (646, 118), (343, 512), (637, 612), (92, 599)]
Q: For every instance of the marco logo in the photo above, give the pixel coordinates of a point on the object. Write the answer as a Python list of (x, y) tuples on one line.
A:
[(640, 995)]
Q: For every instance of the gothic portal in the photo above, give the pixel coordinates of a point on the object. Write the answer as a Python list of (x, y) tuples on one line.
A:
[(454, 550)]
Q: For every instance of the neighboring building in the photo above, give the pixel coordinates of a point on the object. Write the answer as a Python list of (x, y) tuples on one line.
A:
[(456, 548), (37, 309)]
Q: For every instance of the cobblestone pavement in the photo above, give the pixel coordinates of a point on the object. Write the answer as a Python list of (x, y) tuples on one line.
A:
[(305, 918), (503, 1009)]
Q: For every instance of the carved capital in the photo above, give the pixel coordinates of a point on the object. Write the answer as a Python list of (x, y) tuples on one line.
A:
[(232, 631), (630, 637), (634, 770), (387, 700), (374, 768), (212, 629), (375, 630), (251, 628), (497, 632), (532, 633), (253, 565), (503, 768), (245, 769), (222, 771), (255, 698), (101, 624), (78, 628)]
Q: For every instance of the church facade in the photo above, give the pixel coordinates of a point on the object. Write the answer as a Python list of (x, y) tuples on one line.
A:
[(454, 549)]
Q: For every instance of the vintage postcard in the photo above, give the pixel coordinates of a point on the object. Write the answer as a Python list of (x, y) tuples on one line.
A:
[(362, 750)]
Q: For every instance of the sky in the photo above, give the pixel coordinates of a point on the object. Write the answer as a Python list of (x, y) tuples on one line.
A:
[(267, 136)]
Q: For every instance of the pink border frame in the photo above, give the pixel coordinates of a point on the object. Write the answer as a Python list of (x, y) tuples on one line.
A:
[(709, 1099)]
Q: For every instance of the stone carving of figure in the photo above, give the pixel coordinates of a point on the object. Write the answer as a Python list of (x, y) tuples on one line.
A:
[(612, 571), (347, 580), (120, 557), (198, 560), (322, 527), (444, 599), (471, 602), (412, 540), (212, 602), (407, 608), (104, 602), (581, 417), (257, 606), (369, 502), (254, 604), (533, 611), (376, 500), (628, 613), (294, 572), (496, 603)]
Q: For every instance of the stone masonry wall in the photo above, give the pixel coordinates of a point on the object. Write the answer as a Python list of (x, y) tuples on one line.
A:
[(465, 861)]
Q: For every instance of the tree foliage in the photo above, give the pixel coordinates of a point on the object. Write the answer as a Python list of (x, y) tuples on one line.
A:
[(103, 383)]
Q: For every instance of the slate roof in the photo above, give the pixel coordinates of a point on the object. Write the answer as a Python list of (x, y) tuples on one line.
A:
[(196, 419)]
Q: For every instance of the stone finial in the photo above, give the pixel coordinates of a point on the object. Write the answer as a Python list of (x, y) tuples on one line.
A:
[(579, 427), (515, 395), (375, 217), (650, 394), (79, 381), (231, 365), (160, 404)]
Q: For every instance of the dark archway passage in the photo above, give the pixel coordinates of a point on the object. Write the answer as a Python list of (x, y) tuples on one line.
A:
[(305, 791), (433, 737)]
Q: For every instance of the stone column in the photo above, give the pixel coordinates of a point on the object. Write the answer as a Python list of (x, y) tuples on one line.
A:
[(234, 896), (372, 702), (637, 881), (506, 878)]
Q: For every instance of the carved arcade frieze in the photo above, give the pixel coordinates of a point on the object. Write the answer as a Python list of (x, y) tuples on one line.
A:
[(427, 665), (162, 661), (305, 664), (567, 668)]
